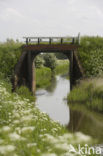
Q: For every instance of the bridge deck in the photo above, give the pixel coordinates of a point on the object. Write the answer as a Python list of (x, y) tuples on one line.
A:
[(51, 44), (50, 48), (51, 40)]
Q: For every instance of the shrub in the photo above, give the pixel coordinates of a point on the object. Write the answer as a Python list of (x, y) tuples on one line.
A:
[(91, 55), (39, 62), (50, 61), (10, 52)]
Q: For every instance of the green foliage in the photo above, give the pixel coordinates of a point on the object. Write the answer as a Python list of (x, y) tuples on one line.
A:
[(39, 61), (89, 94), (62, 67), (44, 74), (91, 55), (24, 130), (9, 54), (25, 92), (60, 56), (50, 61), (5, 82), (43, 77)]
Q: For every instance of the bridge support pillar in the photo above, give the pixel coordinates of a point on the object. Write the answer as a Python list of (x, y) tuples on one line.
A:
[(31, 73), (70, 57), (71, 69), (24, 73)]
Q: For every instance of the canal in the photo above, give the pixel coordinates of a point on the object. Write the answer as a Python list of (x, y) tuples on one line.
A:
[(53, 101)]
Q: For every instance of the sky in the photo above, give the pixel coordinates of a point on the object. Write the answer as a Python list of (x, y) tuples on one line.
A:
[(20, 18)]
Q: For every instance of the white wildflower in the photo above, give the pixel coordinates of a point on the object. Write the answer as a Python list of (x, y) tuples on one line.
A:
[(16, 115), (18, 129), (25, 129), (7, 148), (65, 137), (6, 128), (38, 150), (54, 129), (14, 136), (63, 146), (27, 118), (31, 144), (50, 138), (27, 111), (82, 138), (16, 121)]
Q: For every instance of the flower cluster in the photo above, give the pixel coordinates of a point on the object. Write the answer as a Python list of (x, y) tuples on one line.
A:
[(24, 130)]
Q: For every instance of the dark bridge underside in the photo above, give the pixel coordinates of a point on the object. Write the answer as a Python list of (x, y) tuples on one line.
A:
[(24, 71), (50, 48)]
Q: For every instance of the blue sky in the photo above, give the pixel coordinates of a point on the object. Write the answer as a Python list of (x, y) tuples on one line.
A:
[(20, 18)]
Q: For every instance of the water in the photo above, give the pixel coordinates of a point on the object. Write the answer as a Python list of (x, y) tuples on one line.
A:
[(53, 101)]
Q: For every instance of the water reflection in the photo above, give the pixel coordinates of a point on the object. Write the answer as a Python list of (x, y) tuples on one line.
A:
[(53, 103), (87, 122), (53, 85), (78, 118)]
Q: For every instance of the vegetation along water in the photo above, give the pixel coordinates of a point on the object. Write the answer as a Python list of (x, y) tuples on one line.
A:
[(26, 130)]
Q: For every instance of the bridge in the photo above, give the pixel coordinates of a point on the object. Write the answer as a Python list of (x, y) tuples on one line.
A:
[(24, 73)]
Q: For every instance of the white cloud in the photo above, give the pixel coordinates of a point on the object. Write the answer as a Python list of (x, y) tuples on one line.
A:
[(10, 14), (50, 17)]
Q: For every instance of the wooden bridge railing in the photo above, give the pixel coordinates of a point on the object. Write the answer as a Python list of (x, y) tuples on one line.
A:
[(52, 40)]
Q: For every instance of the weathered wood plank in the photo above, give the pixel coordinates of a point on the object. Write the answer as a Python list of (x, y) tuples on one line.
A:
[(50, 48)]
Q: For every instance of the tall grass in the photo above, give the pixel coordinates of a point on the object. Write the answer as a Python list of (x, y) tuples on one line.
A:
[(62, 67), (43, 77), (44, 74), (87, 94), (23, 91), (24, 130)]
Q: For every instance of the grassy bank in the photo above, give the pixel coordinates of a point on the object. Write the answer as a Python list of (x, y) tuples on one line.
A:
[(88, 93), (44, 74), (43, 77), (25, 131), (62, 67)]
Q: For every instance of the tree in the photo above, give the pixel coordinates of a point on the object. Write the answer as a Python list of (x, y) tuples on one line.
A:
[(60, 56), (50, 61), (39, 61)]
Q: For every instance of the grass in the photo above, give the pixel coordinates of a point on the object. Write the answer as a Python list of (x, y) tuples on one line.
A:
[(88, 93), (24, 92), (25, 131), (43, 77), (62, 67), (44, 74)]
